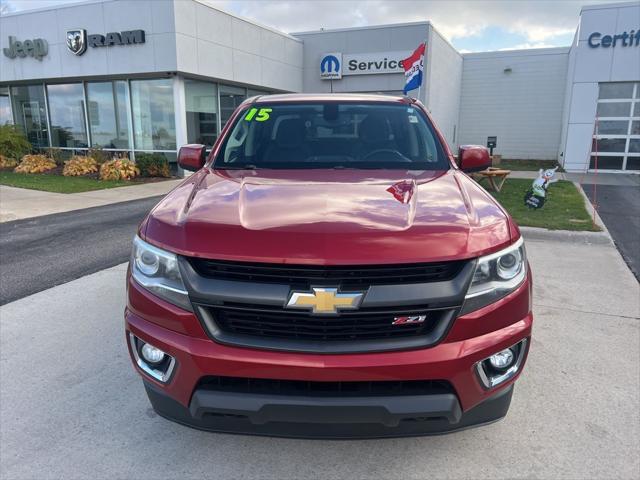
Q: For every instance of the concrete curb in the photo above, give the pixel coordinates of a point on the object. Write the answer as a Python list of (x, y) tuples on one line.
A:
[(591, 210), (567, 236)]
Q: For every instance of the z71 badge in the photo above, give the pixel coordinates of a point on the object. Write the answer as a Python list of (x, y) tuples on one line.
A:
[(409, 320)]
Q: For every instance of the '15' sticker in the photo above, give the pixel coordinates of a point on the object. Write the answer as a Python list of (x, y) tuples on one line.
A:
[(263, 114)]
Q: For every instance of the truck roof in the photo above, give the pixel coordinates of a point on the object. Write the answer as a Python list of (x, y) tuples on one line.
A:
[(330, 97)]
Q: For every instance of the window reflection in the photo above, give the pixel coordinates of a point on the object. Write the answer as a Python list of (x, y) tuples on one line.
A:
[(67, 114), (230, 99), (107, 110), (5, 106), (202, 112), (30, 113), (153, 115)]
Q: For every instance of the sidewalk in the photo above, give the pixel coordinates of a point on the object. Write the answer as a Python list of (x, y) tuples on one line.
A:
[(19, 203)]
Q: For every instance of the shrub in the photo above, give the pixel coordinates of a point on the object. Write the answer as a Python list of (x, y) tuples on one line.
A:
[(13, 143), (99, 155), (57, 155), (79, 166), (118, 169), (35, 164), (6, 162), (153, 165)]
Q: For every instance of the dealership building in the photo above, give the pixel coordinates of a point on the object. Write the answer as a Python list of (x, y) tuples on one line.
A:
[(135, 76)]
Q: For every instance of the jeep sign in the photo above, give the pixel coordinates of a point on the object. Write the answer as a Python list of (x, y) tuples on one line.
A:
[(36, 48)]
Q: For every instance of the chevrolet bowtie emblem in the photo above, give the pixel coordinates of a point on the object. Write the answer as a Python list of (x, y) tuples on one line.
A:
[(325, 300)]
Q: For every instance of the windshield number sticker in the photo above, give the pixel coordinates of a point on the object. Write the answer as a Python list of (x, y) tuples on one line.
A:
[(263, 114)]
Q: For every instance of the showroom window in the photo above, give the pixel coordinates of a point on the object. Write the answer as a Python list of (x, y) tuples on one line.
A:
[(108, 114), (201, 100), (230, 99), (154, 126), (617, 136), (67, 115), (30, 113), (5, 106)]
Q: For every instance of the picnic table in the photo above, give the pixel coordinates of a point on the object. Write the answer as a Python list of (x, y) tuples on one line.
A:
[(496, 177)]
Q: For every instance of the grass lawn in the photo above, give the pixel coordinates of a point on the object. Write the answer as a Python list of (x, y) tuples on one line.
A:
[(529, 165), (563, 209), (57, 183)]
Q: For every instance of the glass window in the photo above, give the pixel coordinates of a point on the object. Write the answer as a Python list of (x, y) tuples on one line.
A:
[(616, 109), (202, 112), (606, 163), (634, 145), (154, 123), (230, 99), (5, 106), (633, 163), (635, 127), (332, 135), (616, 90), (610, 145), (636, 111), (67, 114), (30, 113), (108, 114), (613, 127)]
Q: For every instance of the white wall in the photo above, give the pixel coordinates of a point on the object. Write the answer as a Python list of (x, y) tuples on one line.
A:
[(181, 35), (589, 66), (443, 84), (522, 108), (218, 45)]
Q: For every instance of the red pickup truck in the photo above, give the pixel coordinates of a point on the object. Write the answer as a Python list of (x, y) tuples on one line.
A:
[(329, 271)]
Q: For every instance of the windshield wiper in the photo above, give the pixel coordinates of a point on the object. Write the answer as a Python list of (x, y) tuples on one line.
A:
[(249, 166)]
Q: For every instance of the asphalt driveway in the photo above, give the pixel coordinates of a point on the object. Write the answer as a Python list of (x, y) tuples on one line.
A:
[(71, 405), (41, 252), (619, 207)]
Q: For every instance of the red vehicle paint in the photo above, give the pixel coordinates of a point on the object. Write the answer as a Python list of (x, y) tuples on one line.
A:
[(285, 290)]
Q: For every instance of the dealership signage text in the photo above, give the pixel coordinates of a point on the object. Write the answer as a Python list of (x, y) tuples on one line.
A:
[(624, 39), (335, 65), (78, 40), (36, 48)]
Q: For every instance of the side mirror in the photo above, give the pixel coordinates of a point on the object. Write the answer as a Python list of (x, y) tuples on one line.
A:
[(192, 157), (473, 158)]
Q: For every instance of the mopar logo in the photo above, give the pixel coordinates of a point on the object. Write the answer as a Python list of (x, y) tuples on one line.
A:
[(331, 66)]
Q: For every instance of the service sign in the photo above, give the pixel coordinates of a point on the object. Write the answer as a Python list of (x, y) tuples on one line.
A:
[(335, 65)]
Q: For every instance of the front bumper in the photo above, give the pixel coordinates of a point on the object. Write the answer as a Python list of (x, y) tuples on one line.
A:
[(472, 338), (328, 417)]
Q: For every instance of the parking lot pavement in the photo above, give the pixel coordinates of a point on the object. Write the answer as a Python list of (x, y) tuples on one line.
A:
[(619, 208), (71, 405)]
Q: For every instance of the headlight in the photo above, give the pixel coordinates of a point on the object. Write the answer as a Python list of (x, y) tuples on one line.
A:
[(495, 276), (157, 271)]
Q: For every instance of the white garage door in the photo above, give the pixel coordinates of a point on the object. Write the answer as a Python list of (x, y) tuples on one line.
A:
[(617, 136)]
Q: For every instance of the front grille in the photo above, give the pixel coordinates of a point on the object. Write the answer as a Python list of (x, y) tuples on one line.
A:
[(319, 389), (345, 276), (360, 325)]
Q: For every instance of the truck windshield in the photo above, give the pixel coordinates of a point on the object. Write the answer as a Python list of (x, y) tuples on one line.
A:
[(332, 135)]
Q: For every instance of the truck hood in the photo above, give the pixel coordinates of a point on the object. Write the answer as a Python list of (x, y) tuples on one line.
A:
[(328, 217)]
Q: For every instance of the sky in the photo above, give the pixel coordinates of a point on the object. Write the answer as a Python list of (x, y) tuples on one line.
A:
[(470, 25)]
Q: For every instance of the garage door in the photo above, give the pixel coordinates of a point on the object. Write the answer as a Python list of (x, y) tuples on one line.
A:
[(617, 134)]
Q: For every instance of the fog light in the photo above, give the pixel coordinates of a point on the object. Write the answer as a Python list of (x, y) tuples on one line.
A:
[(501, 360), (501, 366), (152, 354)]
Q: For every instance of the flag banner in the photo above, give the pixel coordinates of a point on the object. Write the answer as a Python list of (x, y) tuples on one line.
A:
[(413, 67)]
